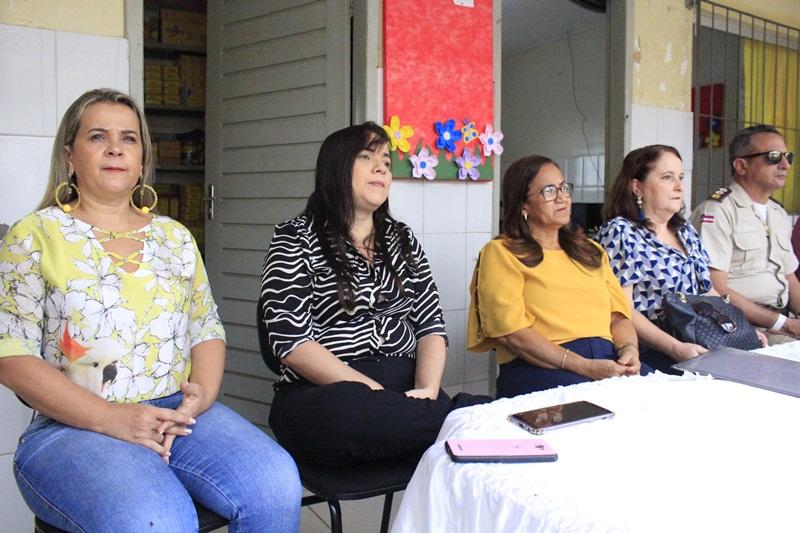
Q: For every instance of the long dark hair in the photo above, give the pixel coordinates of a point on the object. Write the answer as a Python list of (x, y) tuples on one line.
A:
[(514, 228), (621, 201), (330, 207)]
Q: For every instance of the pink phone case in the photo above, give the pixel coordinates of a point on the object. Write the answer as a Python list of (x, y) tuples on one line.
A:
[(499, 450)]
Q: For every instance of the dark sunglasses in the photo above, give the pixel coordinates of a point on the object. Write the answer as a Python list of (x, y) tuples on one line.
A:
[(773, 157), (707, 310)]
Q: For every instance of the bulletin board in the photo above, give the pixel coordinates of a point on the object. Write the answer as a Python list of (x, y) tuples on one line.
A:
[(439, 89)]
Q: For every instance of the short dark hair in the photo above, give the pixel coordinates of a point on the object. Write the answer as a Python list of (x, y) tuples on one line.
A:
[(514, 228), (636, 165), (740, 144)]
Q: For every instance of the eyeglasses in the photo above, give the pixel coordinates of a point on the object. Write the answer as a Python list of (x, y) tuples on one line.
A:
[(773, 157), (549, 192)]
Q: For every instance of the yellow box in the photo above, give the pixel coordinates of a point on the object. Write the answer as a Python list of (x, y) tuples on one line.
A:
[(170, 72)]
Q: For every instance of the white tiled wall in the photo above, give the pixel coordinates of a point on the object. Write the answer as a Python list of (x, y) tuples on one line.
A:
[(453, 220), (587, 173), (657, 125), (41, 73)]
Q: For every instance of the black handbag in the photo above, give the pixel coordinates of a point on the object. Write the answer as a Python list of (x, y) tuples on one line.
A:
[(709, 321)]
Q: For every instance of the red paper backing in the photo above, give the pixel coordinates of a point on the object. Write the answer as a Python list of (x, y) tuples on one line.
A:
[(438, 64)]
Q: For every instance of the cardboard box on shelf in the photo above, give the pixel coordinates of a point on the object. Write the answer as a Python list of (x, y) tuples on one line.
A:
[(150, 22), (193, 80), (170, 72), (152, 71), (183, 28), (169, 151), (171, 88), (169, 199), (192, 203)]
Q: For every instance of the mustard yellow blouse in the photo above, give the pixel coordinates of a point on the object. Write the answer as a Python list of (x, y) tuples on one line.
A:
[(559, 299)]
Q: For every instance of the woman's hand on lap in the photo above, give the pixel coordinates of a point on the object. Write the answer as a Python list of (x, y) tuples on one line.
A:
[(141, 424), (628, 357), (683, 351), (423, 393), (192, 405), (595, 369)]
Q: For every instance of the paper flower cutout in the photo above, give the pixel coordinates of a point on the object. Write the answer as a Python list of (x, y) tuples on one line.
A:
[(448, 135), (491, 141), (469, 132), (398, 136), (468, 165), (423, 164)]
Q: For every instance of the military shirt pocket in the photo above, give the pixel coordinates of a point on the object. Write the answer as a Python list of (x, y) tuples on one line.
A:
[(750, 251)]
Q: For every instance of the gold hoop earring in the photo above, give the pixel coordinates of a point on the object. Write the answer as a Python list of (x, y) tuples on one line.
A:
[(144, 209), (66, 207)]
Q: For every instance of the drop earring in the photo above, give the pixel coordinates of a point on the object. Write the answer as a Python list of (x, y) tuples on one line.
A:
[(142, 188), (639, 203), (525, 215), (73, 186)]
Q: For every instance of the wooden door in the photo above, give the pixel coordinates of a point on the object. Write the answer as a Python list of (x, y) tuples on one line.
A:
[(278, 83)]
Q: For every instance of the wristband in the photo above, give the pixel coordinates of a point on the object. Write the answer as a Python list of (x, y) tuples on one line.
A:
[(779, 322)]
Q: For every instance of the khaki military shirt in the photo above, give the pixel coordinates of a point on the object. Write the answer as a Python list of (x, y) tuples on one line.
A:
[(756, 257)]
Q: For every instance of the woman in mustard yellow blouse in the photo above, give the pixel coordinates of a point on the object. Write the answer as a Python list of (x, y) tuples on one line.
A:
[(544, 295)]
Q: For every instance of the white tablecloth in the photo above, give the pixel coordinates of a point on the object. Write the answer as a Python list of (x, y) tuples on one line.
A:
[(682, 454)]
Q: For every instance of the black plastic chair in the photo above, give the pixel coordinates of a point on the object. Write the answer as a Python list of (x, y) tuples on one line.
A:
[(334, 485), (207, 520)]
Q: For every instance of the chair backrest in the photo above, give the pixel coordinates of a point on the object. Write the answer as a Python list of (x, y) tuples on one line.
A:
[(267, 354)]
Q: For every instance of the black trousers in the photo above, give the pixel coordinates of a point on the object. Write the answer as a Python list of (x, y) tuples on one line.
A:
[(347, 423)]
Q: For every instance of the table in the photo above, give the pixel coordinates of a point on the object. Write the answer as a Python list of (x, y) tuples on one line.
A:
[(683, 453)]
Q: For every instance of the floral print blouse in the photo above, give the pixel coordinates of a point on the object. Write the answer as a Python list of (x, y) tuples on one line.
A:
[(127, 336)]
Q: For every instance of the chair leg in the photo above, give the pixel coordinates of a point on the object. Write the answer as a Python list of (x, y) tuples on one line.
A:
[(387, 512), (336, 516)]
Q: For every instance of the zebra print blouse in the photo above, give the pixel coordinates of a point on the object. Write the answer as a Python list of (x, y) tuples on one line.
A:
[(301, 302)]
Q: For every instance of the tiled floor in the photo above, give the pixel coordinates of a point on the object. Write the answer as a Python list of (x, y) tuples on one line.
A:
[(361, 516)]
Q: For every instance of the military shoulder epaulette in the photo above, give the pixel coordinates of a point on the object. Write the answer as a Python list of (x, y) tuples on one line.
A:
[(720, 194), (776, 201)]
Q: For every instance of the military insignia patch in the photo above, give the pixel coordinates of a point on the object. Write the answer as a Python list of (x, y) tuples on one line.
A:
[(720, 194)]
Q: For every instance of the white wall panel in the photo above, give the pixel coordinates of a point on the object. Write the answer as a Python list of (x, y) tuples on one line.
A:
[(27, 88), (23, 174), (86, 62)]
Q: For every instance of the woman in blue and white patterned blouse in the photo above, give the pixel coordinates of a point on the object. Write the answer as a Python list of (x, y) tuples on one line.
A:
[(652, 249)]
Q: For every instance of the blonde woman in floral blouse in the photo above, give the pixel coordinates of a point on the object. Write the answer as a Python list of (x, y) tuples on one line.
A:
[(109, 330)]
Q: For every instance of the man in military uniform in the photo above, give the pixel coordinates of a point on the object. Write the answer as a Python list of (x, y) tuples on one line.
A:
[(747, 234)]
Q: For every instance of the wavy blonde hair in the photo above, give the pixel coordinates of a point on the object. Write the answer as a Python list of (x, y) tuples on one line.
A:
[(65, 137)]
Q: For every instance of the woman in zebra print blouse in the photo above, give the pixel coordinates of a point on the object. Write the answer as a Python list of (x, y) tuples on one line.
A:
[(353, 313)]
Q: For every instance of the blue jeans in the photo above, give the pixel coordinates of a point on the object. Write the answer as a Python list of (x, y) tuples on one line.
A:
[(79, 480), (518, 377)]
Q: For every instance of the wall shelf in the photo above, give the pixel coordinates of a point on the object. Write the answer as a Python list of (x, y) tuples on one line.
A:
[(180, 168), (163, 109), (154, 48)]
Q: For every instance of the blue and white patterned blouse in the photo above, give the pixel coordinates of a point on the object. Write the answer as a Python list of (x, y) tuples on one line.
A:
[(653, 268)]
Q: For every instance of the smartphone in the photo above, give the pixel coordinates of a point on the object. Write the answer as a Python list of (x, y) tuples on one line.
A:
[(499, 451), (538, 421)]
